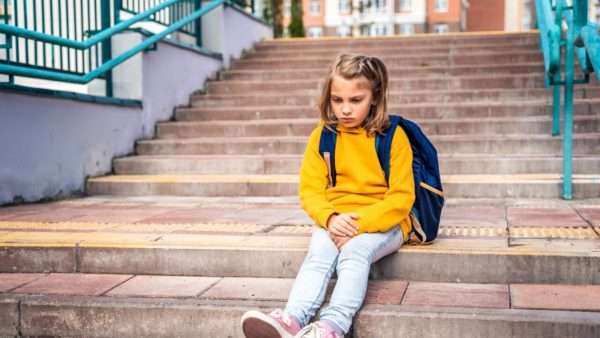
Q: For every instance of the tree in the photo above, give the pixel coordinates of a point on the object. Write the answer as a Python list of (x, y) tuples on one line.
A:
[(296, 26), (276, 8)]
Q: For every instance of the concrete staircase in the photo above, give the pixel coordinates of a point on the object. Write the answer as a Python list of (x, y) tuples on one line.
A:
[(204, 223), (481, 99)]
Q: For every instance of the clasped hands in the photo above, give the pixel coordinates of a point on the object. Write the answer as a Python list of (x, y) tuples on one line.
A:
[(342, 227)]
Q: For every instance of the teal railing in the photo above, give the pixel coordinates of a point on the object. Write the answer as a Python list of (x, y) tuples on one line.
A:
[(566, 33), (70, 40)]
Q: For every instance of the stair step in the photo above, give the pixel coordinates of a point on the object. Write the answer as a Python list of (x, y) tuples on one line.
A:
[(213, 307), (310, 97), (388, 50), (524, 81), (455, 186), (394, 72), (432, 60), (583, 144), (411, 111), (403, 42), (303, 127), (290, 164)]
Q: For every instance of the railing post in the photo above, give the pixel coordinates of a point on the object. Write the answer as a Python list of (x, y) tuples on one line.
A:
[(556, 108), (568, 117), (198, 24), (105, 13), (118, 6)]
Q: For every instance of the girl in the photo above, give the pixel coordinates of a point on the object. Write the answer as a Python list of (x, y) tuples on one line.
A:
[(361, 218)]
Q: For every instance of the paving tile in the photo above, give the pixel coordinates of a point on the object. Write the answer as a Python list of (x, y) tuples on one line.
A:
[(49, 214), (386, 292), (122, 214), (555, 297), (457, 295), (73, 284), (10, 281), (480, 216), (163, 286), (222, 215), (544, 217), (251, 288), (592, 215), (20, 211)]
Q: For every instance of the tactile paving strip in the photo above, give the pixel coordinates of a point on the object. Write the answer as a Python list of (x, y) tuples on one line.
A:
[(471, 231), (574, 232)]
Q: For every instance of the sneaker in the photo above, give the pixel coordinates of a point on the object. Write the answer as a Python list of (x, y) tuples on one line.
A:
[(318, 330), (277, 324)]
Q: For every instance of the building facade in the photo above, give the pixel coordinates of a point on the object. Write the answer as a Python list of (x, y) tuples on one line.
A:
[(379, 17)]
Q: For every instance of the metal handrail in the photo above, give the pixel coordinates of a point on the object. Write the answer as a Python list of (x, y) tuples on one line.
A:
[(103, 69), (561, 27), (59, 76)]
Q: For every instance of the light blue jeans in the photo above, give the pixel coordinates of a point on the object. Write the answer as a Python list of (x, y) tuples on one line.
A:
[(352, 265)]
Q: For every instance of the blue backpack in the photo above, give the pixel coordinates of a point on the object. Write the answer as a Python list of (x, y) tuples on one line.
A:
[(429, 196)]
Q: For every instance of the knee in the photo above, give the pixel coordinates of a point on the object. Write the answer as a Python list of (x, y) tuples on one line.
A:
[(351, 252)]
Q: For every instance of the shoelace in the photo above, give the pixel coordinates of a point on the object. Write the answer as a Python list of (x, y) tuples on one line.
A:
[(317, 331), (281, 315)]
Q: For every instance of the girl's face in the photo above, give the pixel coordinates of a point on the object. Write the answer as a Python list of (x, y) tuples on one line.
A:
[(350, 100)]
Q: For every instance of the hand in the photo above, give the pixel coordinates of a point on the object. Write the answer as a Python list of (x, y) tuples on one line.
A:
[(339, 240), (343, 224)]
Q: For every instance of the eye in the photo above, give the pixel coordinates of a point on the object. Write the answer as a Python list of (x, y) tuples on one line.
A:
[(336, 99), (356, 100)]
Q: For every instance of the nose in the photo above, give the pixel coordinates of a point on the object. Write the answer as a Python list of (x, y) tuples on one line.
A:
[(346, 111)]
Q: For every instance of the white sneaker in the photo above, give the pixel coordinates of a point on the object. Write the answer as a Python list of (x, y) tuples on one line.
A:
[(277, 324)]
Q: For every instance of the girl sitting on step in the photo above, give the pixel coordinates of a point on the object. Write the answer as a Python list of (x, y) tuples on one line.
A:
[(360, 219)]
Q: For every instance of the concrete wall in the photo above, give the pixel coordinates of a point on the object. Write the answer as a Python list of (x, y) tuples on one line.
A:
[(51, 144), (229, 30)]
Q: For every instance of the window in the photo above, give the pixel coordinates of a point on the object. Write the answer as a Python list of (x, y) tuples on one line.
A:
[(380, 5), (343, 31), (365, 30), (441, 5), (315, 32), (379, 29), (440, 28), (344, 6), (405, 6), (407, 29), (315, 7), (287, 7)]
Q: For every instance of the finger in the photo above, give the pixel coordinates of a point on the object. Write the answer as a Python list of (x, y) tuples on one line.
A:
[(353, 215), (344, 229), (350, 229), (335, 229)]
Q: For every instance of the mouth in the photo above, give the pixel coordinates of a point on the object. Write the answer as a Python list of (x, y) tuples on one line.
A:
[(347, 120)]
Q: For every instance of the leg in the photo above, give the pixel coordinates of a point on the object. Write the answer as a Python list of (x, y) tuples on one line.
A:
[(353, 265), (310, 285)]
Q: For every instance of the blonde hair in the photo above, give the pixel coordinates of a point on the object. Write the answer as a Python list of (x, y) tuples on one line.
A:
[(352, 66)]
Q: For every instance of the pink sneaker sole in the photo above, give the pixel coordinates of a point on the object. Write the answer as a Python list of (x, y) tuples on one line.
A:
[(256, 324)]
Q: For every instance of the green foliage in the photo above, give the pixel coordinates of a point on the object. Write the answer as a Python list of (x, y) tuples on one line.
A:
[(296, 26)]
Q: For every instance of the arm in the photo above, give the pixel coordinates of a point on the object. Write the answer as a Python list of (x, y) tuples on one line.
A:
[(313, 182), (400, 196)]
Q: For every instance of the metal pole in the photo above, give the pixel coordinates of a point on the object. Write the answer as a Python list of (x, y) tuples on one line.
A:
[(106, 44)]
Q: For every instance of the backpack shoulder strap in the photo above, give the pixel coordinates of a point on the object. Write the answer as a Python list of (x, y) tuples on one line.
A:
[(327, 150), (383, 145)]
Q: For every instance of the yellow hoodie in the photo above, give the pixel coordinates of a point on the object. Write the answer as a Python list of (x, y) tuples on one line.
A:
[(360, 181)]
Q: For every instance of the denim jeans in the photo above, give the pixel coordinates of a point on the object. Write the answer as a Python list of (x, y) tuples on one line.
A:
[(352, 265)]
